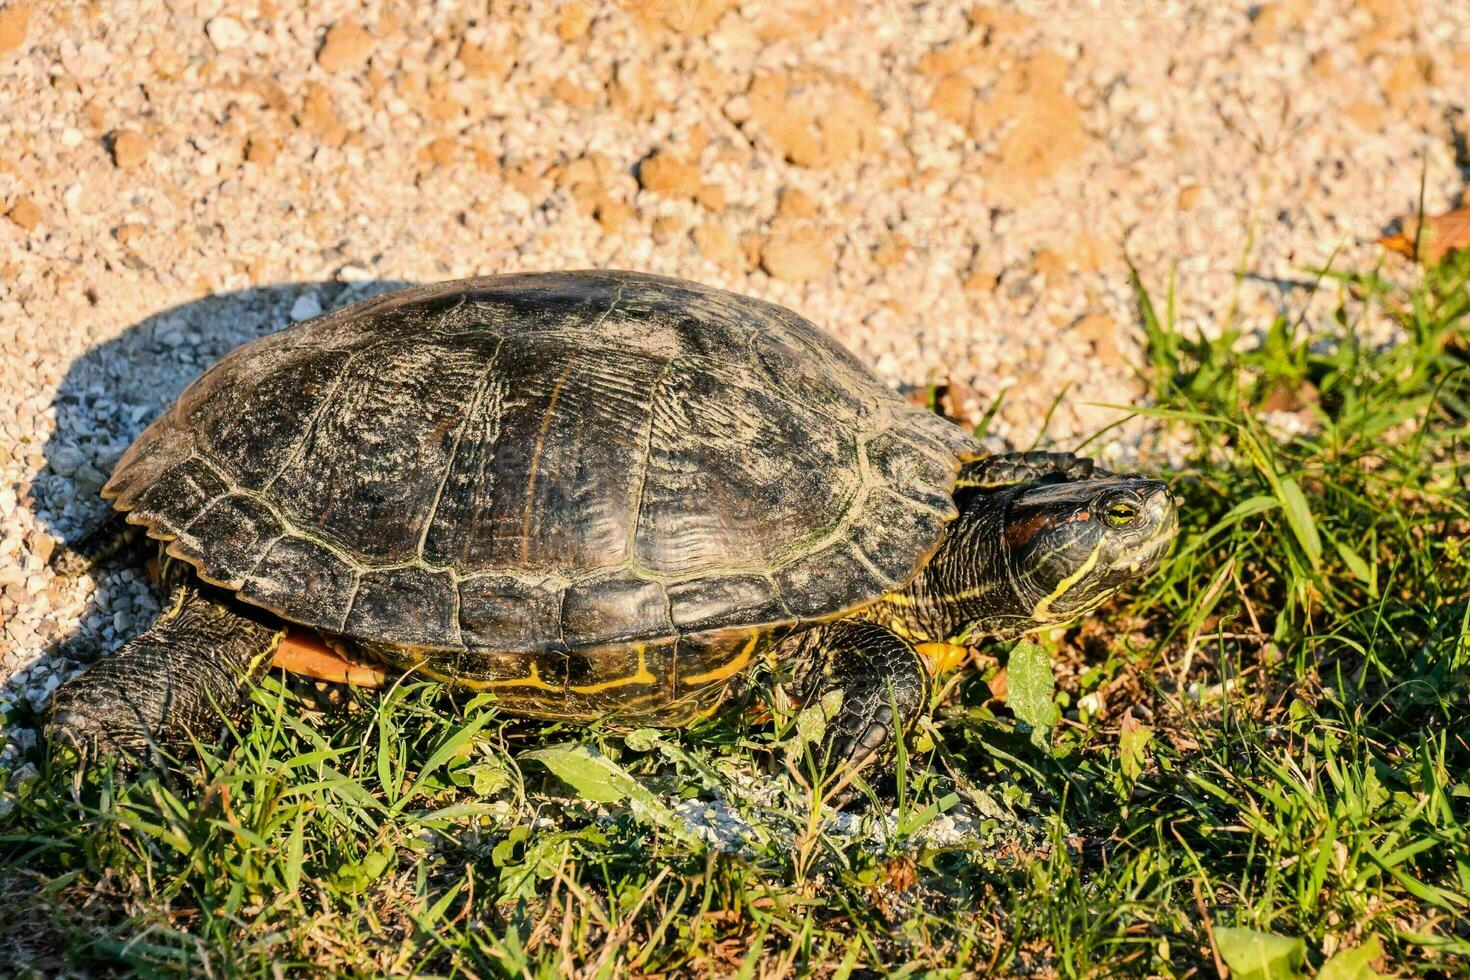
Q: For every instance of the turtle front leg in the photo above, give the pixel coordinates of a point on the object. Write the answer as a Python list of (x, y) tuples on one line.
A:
[(884, 684), (177, 680)]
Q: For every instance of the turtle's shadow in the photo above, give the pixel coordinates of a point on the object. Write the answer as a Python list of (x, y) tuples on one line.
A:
[(106, 398)]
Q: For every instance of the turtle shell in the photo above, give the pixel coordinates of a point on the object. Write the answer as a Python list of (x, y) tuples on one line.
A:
[(547, 461)]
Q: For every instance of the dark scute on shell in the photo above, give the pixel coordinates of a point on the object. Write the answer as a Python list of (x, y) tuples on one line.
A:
[(812, 581), (229, 532), (410, 607), (304, 577), (548, 460), (283, 395), (603, 611), (368, 470), (499, 612), (177, 495), (704, 604), (159, 448), (740, 471), (917, 476)]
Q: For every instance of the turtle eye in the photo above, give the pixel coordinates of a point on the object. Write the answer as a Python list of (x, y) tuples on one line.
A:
[(1120, 512)]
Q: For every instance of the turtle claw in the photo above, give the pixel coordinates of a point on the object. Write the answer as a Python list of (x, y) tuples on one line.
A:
[(73, 738), (859, 737), (85, 734), (72, 730)]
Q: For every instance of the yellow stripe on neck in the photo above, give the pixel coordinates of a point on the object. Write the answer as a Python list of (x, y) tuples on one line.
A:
[(974, 592), (1043, 608)]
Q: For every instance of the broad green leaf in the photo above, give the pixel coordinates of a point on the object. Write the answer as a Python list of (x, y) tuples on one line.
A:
[(1299, 516), (811, 721), (591, 775), (650, 740), (543, 857), (503, 854), (1133, 739), (485, 778), (642, 739), (1353, 964), (811, 726), (540, 858), (1253, 955), (450, 748), (1361, 570), (357, 877), (595, 777), (1029, 688)]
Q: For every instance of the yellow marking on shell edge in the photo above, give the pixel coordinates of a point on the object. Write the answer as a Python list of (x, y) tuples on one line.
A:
[(534, 680), (642, 676), (1043, 608), (942, 657), (730, 669)]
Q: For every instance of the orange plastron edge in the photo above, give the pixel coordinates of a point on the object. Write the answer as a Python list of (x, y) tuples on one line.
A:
[(302, 652)]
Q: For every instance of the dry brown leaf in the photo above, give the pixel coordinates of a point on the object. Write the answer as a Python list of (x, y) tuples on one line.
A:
[(1442, 236)]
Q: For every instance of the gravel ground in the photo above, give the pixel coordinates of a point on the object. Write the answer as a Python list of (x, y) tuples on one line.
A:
[(948, 188)]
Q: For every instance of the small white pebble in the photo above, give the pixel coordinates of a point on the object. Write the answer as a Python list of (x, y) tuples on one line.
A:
[(226, 32), (305, 307)]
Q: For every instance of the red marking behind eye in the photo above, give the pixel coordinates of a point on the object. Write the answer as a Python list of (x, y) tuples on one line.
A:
[(1019, 534)]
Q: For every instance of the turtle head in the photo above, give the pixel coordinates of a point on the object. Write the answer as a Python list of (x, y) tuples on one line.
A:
[(1031, 555), (1069, 547)]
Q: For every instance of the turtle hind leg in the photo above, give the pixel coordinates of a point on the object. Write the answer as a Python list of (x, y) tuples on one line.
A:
[(884, 684), (175, 681), (100, 546)]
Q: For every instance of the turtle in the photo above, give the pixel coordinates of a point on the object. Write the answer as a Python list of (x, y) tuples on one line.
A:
[(598, 495)]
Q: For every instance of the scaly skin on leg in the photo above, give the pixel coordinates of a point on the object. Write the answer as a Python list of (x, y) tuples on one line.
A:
[(99, 546), (198, 660), (1008, 469), (877, 671)]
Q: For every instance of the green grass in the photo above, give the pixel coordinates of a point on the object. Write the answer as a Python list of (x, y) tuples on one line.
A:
[(1269, 738)]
